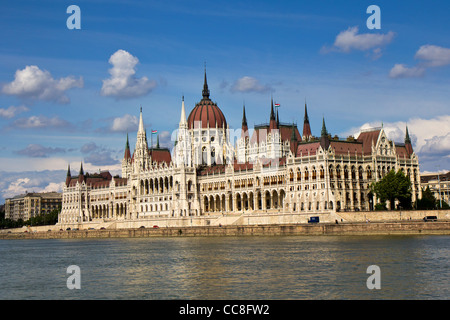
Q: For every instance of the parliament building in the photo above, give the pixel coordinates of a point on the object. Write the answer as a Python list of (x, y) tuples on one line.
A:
[(271, 169)]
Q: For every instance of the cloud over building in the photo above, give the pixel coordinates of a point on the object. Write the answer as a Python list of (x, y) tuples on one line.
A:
[(123, 83)]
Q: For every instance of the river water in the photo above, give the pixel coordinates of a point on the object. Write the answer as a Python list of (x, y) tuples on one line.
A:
[(231, 268)]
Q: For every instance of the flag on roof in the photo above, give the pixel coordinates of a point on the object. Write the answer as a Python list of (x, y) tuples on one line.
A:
[(154, 131), (277, 105)]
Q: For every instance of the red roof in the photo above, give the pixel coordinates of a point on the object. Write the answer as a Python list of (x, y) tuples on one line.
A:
[(402, 151), (218, 168), (260, 133), (345, 147), (97, 180), (304, 148), (366, 138), (160, 155), (208, 113), (127, 154), (242, 166)]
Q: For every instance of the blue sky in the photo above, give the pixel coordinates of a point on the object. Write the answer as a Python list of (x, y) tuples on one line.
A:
[(84, 87)]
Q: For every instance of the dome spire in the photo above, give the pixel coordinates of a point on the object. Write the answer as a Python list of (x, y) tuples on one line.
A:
[(205, 91)]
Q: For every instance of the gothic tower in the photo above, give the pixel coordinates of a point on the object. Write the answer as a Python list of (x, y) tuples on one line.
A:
[(141, 155), (306, 136)]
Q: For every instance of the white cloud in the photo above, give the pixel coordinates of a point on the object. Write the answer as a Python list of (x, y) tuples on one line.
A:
[(39, 151), (434, 56), (123, 83), (16, 183), (15, 188), (165, 139), (349, 40), (97, 155), (438, 145), (401, 71), (53, 187), (89, 147), (34, 83), (430, 138), (12, 111), (101, 158), (126, 123), (36, 122), (249, 84)]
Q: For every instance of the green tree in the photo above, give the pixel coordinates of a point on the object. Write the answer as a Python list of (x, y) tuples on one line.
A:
[(42, 219), (380, 206), (428, 201), (394, 186)]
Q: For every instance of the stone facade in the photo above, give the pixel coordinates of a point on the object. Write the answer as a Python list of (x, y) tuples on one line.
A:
[(26, 206), (272, 169), (439, 184)]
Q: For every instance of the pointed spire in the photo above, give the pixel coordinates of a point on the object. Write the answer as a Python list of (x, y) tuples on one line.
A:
[(294, 141), (183, 112), (324, 141), (272, 114), (127, 154), (324, 128), (69, 176), (157, 141), (273, 121), (244, 118), (244, 129), (141, 123), (293, 136), (306, 118), (205, 91), (407, 138), (306, 127), (81, 170), (408, 144), (278, 120)]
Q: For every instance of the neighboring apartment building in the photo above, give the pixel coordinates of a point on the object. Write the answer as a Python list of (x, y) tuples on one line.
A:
[(438, 183), (26, 206)]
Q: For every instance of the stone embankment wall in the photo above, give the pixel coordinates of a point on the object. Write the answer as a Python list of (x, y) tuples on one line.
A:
[(363, 216), (370, 228), (340, 223)]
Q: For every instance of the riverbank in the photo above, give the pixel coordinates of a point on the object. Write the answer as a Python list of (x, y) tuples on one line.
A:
[(367, 228)]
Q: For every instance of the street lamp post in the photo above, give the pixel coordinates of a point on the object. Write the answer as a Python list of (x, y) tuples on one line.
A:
[(439, 184)]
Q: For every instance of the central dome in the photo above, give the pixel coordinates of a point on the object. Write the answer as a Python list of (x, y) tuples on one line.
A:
[(206, 113)]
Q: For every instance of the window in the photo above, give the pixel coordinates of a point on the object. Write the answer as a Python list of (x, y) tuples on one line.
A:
[(213, 156), (204, 156)]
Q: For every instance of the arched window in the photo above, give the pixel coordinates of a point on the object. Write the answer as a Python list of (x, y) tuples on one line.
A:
[(204, 156), (369, 172), (213, 156)]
